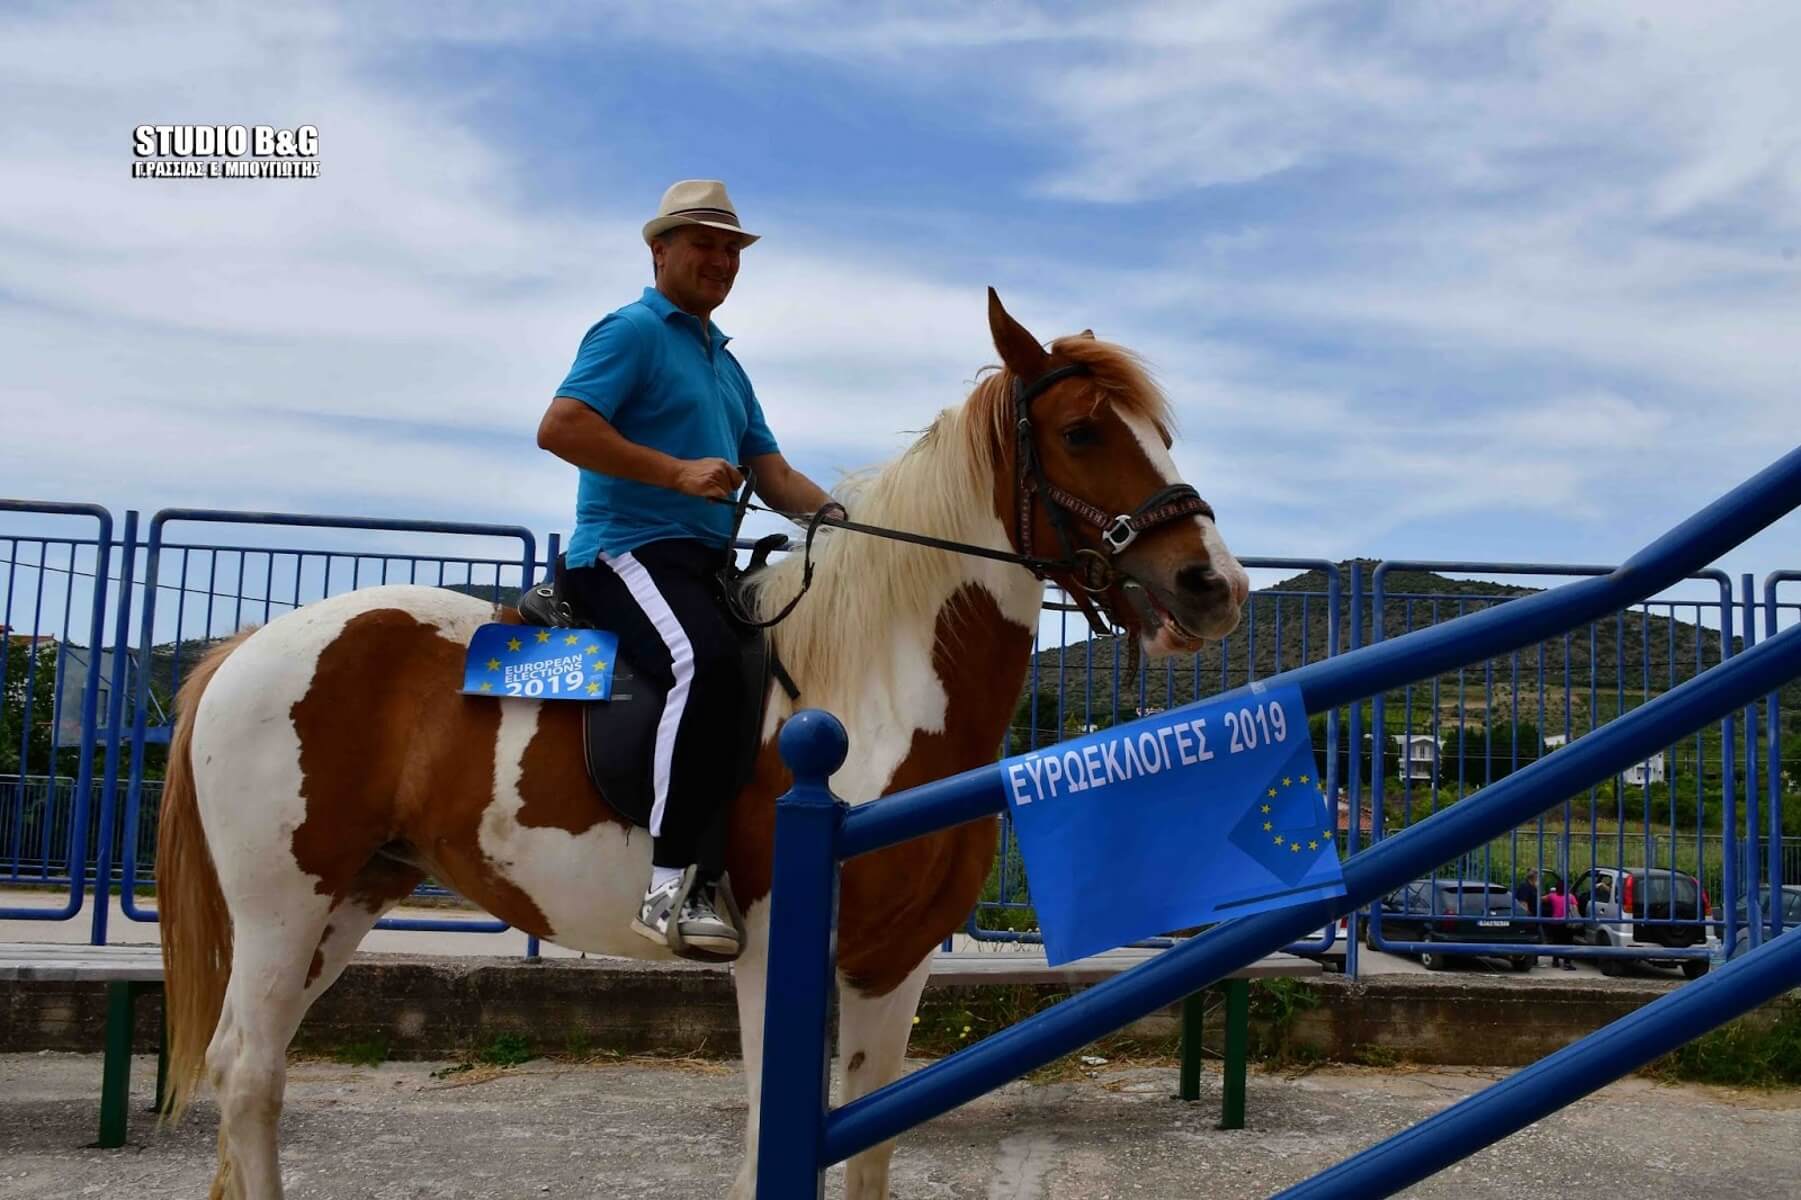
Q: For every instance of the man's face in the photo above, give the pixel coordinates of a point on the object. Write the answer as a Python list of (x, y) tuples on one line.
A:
[(696, 265)]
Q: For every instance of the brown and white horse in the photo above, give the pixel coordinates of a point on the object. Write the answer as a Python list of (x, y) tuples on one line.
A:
[(324, 764)]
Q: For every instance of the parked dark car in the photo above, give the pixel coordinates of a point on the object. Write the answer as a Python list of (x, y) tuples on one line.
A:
[(1451, 910), (1791, 914), (1643, 906)]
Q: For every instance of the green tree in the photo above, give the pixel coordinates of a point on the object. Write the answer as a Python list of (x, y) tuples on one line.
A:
[(27, 696), (1487, 751)]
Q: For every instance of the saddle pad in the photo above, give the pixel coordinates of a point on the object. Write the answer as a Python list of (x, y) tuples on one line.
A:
[(540, 663)]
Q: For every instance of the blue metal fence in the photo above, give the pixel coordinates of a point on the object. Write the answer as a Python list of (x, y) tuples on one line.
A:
[(53, 570), (110, 698), (1052, 710), (1563, 677), (1781, 774), (219, 588), (800, 1135)]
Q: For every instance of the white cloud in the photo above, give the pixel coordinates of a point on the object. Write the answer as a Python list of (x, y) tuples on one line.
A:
[(1595, 214)]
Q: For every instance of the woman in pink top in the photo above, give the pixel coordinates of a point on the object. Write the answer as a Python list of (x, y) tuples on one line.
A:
[(1556, 908)]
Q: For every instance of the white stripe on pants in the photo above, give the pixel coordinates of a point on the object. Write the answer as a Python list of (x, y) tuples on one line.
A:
[(643, 588)]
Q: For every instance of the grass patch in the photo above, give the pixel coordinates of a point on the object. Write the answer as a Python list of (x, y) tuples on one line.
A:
[(1374, 1056), (506, 1050), (951, 1019), (1749, 1052), (369, 1052)]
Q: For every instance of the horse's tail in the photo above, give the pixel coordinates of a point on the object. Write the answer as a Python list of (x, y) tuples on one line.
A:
[(196, 927)]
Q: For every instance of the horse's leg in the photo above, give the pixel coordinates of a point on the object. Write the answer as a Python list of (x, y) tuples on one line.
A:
[(378, 887), (272, 953), (750, 976), (273, 983), (872, 1044)]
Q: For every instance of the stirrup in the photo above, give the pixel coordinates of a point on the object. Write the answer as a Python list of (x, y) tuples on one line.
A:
[(728, 903)]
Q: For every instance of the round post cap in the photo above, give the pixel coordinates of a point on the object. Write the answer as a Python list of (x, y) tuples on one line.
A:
[(814, 744)]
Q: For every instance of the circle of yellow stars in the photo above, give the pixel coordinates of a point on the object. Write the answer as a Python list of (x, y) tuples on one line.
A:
[(542, 637), (1293, 844)]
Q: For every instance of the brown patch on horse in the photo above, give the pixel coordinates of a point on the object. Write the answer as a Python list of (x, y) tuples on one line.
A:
[(383, 882), (750, 846), (378, 886), (897, 904), (318, 963), (391, 751), (553, 777)]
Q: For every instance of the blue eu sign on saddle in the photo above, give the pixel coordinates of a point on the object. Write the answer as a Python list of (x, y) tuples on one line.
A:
[(1174, 820), (542, 664)]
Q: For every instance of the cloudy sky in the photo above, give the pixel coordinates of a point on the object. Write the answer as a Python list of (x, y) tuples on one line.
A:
[(1497, 281)]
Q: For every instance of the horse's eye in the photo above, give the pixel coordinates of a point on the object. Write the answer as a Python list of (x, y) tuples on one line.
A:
[(1081, 435)]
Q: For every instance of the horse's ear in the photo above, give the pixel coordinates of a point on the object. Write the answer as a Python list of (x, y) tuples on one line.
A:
[(1087, 333), (1019, 350)]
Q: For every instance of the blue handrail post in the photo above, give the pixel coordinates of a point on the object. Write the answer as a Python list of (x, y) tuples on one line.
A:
[(1354, 790), (1729, 840), (803, 953), (1754, 926), (1773, 771), (115, 715)]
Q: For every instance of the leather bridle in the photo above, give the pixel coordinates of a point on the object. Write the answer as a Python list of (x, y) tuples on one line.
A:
[(1090, 568)]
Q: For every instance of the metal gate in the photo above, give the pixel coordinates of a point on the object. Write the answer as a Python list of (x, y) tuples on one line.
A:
[(801, 1135), (1626, 832)]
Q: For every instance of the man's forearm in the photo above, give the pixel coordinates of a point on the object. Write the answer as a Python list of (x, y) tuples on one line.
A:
[(588, 440), (793, 493)]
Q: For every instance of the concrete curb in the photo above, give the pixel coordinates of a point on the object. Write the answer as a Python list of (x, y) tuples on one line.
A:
[(449, 1007)]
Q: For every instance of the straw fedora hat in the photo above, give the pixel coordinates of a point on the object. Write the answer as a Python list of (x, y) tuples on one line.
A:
[(696, 202)]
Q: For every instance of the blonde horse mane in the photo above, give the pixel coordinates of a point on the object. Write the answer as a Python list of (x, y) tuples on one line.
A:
[(942, 485)]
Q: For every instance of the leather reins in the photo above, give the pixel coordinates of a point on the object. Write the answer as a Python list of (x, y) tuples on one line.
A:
[(1090, 568)]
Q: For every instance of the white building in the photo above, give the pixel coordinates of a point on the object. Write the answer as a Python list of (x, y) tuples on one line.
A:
[(1555, 741), (1642, 773), (1419, 756)]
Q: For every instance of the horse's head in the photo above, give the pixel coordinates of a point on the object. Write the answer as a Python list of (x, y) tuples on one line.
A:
[(1092, 482)]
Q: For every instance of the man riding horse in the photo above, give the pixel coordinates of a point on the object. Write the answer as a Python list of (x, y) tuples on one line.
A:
[(655, 413)]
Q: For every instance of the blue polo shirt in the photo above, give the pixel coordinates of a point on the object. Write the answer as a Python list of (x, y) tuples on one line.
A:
[(663, 382)]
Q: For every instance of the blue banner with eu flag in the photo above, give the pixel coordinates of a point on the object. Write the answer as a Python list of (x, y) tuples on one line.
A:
[(1178, 819), (540, 664)]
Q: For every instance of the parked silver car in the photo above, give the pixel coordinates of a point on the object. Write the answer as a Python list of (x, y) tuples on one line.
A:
[(1644, 908)]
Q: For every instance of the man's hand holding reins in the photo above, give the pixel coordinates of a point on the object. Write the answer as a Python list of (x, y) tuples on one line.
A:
[(710, 478), (578, 435)]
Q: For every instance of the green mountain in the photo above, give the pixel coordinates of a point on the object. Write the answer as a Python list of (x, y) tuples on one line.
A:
[(1595, 672)]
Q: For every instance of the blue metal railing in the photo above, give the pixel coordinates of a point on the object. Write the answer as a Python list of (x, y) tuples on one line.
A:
[(1197, 677), (1592, 923), (800, 1136), (233, 592), (101, 543), (1774, 769), (263, 591), (1553, 1083)]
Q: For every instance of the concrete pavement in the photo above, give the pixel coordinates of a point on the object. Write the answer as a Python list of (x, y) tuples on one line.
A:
[(407, 1131)]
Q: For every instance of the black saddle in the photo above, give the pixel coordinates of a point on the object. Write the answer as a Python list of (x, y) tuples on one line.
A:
[(619, 735)]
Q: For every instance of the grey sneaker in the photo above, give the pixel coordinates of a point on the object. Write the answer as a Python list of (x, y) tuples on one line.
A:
[(700, 925)]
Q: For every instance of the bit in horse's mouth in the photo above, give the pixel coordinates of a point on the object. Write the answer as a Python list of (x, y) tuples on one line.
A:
[(1156, 614)]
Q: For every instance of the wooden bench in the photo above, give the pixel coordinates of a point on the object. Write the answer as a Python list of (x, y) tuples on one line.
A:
[(128, 972), (1004, 967)]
